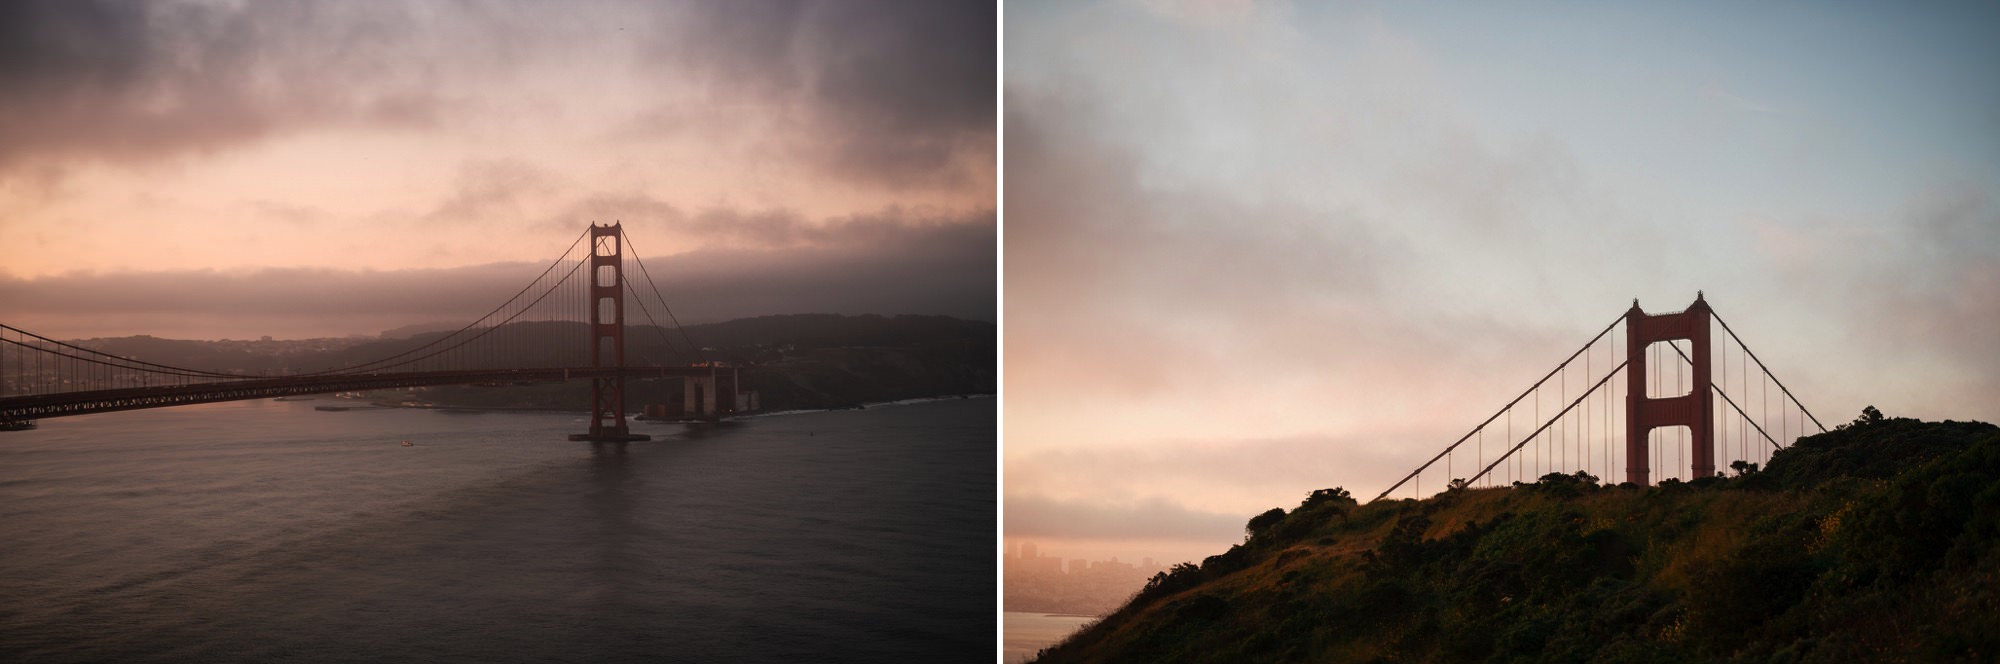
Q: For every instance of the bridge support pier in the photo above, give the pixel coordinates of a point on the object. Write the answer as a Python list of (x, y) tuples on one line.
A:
[(1695, 410), (710, 397), (607, 337), (698, 396)]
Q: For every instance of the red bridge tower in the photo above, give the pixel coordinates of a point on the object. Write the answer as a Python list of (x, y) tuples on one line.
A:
[(607, 336), (1694, 410)]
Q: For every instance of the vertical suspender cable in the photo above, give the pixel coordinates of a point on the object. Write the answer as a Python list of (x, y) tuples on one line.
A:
[(1654, 366)]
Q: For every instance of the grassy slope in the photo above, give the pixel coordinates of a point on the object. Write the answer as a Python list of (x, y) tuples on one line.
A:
[(1877, 541)]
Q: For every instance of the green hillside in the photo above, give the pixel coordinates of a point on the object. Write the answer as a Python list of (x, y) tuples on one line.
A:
[(1879, 541)]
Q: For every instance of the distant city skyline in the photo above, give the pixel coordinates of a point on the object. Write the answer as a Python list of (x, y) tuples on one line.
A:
[(1028, 550), (1039, 580)]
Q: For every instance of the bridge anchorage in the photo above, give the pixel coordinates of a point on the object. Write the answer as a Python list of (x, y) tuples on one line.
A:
[(532, 337), (1667, 420)]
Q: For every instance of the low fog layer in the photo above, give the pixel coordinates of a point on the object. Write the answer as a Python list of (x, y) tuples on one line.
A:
[(944, 270)]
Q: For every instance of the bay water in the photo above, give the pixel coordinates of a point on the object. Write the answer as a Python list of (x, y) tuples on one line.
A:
[(269, 531)]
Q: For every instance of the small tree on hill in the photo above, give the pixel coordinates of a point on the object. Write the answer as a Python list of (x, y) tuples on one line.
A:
[(1263, 522), (1336, 500), (1338, 494), (1869, 415)]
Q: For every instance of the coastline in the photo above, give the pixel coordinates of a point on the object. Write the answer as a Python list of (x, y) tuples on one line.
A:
[(381, 405), (872, 404)]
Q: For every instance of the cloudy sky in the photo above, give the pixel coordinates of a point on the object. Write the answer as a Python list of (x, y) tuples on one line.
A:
[(293, 169), (1254, 249)]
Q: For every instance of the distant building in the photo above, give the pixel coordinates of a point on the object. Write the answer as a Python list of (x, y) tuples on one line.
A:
[(1042, 583)]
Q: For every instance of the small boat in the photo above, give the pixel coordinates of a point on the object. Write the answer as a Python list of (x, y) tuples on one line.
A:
[(407, 444), (17, 425)]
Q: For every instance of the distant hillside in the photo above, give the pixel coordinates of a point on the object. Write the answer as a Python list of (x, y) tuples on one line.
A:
[(834, 330), (794, 361), (408, 331), (1879, 541)]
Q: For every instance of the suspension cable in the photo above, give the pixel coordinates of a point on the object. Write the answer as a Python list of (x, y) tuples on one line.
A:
[(1545, 425), (94, 360), (167, 367), (693, 350), (531, 284), (1766, 370), (1732, 402), (510, 318), (657, 327), (1504, 409)]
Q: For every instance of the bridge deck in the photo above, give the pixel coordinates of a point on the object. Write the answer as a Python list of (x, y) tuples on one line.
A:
[(61, 404)]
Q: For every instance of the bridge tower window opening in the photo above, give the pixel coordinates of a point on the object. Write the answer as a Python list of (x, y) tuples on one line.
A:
[(1667, 385), (1667, 444)]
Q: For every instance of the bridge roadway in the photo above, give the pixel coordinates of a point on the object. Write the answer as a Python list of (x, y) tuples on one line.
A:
[(61, 404)]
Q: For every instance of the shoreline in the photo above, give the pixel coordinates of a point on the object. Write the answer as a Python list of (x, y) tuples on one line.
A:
[(384, 405), (871, 404)]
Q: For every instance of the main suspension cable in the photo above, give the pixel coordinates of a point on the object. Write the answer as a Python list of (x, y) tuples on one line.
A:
[(167, 368), (1767, 370), (510, 301), (1504, 409), (693, 350), (1552, 420)]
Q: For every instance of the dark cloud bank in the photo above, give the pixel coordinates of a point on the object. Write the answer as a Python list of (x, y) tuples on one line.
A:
[(898, 91), (886, 93), (135, 80)]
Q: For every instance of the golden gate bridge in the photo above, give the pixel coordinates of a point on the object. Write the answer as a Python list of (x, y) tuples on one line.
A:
[(1678, 410), (566, 324)]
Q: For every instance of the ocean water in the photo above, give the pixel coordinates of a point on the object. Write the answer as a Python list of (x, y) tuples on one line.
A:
[(1025, 633), (266, 531)]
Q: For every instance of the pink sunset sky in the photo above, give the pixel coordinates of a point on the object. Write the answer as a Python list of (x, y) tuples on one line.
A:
[(211, 169)]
